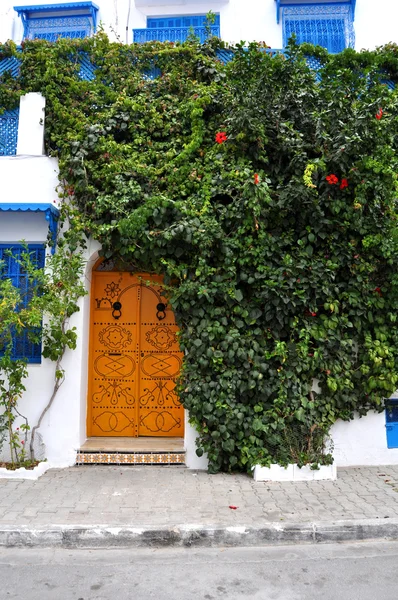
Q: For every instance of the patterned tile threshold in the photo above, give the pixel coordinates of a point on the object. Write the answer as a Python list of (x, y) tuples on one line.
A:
[(130, 458), (107, 445)]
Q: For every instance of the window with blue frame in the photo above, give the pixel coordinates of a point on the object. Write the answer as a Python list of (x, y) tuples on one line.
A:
[(330, 25), (9, 120), (11, 268), (177, 28), (63, 20), (392, 422)]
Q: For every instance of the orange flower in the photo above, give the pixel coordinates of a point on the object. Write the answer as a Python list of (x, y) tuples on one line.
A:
[(256, 178)]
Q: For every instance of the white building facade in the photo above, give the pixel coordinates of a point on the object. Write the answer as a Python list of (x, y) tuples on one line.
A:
[(260, 20), (28, 182)]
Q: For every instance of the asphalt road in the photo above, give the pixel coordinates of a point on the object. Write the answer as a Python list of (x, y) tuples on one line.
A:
[(365, 571)]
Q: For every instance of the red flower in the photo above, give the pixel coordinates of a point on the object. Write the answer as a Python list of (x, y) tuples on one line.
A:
[(233, 507), (344, 183), (332, 179), (379, 114), (256, 178), (22, 442), (313, 314), (221, 137), (378, 291)]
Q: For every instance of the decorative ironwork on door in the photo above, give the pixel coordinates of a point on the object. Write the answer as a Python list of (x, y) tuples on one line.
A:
[(134, 358)]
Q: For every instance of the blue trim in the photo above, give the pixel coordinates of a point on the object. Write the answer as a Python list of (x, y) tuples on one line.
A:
[(68, 6), (51, 214), (391, 415), (280, 3)]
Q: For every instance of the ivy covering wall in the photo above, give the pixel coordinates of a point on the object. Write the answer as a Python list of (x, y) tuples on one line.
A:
[(265, 192)]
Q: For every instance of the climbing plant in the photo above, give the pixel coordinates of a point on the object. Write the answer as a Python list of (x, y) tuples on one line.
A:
[(265, 193)]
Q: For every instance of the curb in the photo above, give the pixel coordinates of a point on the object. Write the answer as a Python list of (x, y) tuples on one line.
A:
[(105, 536)]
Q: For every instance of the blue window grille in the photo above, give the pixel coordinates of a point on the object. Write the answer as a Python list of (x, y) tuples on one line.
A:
[(10, 65), (86, 70), (392, 422), (10, 268), (330, 26), (176, 29), (54, 28), (74, 20), (9, 132)]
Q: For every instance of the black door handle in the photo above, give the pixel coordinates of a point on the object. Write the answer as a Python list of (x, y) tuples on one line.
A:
[(117, 310)]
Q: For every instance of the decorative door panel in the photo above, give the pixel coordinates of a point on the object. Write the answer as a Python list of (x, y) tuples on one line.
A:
[(134, 359), (113, 385), (160, 412)]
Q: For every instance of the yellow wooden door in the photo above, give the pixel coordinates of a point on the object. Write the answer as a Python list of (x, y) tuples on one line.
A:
[(134, 359)]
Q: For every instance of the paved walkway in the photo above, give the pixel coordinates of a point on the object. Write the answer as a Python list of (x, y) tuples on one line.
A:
[(173, 496)]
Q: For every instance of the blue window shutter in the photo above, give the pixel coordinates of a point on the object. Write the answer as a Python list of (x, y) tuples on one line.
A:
[(10, 256), (330, 26), (180, 21)]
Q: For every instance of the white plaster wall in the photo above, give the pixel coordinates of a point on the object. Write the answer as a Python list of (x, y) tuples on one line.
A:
[(375, 23), (362, 441), (28, 179), (240, 19), (192, 460), (64, 427), (31, 124), (27, 226)]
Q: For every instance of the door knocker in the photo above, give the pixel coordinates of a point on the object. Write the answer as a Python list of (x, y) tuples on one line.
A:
[(117, 310), (161, 311)]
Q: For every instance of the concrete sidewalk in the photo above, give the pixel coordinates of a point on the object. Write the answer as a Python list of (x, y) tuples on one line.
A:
[(91, 506)]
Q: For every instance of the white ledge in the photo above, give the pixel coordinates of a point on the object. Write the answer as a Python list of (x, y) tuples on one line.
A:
[(294, 473), (23, 473)]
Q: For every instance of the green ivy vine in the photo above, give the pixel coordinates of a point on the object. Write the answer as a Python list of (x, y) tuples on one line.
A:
[(265, 193)]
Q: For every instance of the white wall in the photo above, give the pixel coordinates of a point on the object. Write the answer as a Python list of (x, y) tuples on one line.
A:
[(362, 441), (248, 20), (29, 227), (29, 179), (35, 178)]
